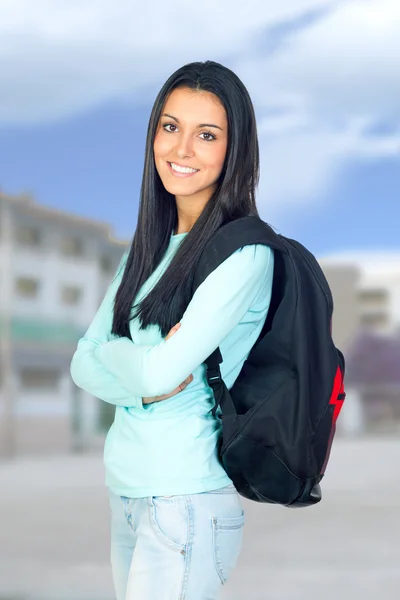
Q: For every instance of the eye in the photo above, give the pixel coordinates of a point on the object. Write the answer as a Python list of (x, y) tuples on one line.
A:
[(168, 125), (209, 139)]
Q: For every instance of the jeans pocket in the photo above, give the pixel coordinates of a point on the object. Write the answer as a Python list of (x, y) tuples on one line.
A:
[(169, 519), (227, 543)]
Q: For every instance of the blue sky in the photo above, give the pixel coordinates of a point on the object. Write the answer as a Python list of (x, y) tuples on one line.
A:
[(330, 142)]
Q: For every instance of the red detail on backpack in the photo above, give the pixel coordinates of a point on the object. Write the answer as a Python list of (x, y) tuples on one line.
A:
[(338, 394), (337, 398)]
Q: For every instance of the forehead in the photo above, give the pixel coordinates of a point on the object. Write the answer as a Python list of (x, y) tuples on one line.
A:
[(192, 106)]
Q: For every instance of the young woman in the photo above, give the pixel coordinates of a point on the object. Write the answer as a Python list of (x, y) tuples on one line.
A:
[(176, 518)]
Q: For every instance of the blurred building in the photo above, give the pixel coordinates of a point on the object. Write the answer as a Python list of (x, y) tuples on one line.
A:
[(344, 281), (371, 294), (374, 380), (366, 326), (54, 271)]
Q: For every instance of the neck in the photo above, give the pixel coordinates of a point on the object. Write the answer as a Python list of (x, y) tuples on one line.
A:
[(189, 208), (185, 222)]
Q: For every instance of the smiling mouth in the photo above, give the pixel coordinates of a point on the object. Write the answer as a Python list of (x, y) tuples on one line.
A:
[(181, 171)]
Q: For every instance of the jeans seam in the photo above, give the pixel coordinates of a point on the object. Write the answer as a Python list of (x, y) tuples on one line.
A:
[(217, 563), (157, 531), (188, 546)]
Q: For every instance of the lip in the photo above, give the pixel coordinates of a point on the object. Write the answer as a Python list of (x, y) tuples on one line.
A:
[(180, 174)]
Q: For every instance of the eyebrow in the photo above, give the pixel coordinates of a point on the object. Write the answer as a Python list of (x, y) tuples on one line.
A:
[(201, 124)]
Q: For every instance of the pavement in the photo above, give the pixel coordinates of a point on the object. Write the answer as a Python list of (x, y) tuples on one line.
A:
[(54, 532)]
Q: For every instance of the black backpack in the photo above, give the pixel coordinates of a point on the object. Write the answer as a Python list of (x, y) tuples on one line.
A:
[(279, 417)]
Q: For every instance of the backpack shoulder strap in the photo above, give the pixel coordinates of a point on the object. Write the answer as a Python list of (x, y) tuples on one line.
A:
[(225, 241), (229, 238)]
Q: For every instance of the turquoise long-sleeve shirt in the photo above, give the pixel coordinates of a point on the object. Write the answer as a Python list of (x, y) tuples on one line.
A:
[(170, 447)]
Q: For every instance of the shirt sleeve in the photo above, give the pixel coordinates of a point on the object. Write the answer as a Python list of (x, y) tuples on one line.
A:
[(86, 370), (217, 306)]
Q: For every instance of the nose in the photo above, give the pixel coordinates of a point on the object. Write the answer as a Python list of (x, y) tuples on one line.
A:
[(184, 147)]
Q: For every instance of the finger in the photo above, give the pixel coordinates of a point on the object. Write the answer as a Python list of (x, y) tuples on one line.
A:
[(182, 386), (186, 382), (173, 330)]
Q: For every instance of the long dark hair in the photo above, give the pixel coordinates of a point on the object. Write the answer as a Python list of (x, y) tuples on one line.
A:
[(234, 197)]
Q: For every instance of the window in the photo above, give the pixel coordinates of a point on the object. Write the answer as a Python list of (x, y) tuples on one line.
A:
[(72, 246), (373, 296), (106, 264), (71, 294), (27, 287), (375, 319), (28, 236), (39, 378)]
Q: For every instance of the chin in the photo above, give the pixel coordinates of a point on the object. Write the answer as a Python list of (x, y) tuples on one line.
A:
[(180, 188), (175, 190)]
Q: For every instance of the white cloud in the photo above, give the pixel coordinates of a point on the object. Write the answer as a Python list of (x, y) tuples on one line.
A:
[(300, 160), (57, 58), (332, 83), (344, 64)]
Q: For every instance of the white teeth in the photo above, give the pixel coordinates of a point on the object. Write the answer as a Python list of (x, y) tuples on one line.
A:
[(182, 169)]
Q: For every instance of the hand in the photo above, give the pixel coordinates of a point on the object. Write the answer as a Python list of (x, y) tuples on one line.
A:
[(180, 387)]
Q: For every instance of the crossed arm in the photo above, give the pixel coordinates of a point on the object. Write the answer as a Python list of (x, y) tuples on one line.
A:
[(121, 372)]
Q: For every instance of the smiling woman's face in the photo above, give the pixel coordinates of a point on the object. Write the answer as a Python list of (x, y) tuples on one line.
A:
[(192, 133)]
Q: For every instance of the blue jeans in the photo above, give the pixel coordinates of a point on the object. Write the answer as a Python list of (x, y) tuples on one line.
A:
[(175, 548)]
